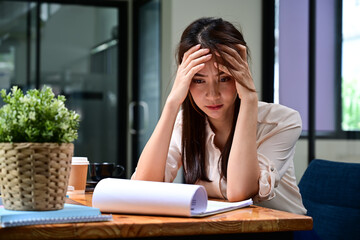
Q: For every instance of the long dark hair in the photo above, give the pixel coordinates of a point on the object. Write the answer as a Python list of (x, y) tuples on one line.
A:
[(210, 33)]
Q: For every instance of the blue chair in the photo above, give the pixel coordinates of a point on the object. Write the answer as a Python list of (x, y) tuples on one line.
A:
[(331, 194)]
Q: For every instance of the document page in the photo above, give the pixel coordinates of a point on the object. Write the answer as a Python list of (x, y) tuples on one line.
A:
[(214, 207)]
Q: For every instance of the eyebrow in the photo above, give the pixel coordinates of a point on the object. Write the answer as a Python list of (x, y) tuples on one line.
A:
[(202, 75)]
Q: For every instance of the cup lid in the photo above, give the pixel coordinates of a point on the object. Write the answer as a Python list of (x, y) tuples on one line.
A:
[(79, 161)]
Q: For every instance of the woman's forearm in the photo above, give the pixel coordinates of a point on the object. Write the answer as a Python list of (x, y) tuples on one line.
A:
[(243, 167), (151, 164)]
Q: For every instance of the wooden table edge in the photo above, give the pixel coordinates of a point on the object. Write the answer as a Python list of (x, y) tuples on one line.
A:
[(138, 226)]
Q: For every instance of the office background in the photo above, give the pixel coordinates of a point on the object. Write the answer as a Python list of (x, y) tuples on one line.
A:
[(115, 60)]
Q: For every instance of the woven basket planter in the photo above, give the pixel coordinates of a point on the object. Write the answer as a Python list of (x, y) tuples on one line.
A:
[(34, 176)]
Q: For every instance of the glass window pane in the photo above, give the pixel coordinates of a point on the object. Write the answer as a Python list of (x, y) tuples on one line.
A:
[(292, 64), (350, 66), (293, 56)]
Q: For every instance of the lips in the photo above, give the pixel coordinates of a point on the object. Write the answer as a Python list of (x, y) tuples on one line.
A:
[(214, 107)]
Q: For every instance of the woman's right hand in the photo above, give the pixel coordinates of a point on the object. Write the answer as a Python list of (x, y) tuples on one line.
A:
[(152, 163), (193, 61)]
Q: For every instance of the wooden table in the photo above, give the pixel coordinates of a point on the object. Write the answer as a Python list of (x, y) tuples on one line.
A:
[(247, 223)]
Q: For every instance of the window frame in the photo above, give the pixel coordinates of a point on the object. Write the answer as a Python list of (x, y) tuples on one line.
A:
[(268, 61)]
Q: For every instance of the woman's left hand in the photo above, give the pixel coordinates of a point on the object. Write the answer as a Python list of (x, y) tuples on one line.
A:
[(243, 167), (239, 69)]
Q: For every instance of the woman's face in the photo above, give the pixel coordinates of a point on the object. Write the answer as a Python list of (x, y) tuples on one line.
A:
[(214, 92)]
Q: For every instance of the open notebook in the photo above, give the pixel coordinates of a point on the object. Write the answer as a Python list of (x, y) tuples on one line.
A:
[(158, 198)]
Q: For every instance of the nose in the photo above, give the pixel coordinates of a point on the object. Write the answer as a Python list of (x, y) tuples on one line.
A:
[(212, 91)]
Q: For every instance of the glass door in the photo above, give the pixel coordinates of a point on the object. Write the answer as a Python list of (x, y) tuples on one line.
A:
[(79, 51), (79, 60)]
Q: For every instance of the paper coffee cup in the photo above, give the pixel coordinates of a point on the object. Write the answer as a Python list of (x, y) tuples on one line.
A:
[(78, 174)]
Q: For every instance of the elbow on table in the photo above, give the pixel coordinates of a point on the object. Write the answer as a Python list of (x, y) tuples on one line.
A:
[(236, 195)]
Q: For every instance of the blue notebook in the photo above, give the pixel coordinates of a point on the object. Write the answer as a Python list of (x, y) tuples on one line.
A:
[(69, 214)]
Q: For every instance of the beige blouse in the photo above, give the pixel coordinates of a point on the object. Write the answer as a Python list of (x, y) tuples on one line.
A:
[(278, 129)]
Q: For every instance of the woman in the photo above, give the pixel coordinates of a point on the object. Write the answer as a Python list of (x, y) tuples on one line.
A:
[(227, 141)]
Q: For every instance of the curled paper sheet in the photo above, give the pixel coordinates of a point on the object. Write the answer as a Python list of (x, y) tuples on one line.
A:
[(157, 198)]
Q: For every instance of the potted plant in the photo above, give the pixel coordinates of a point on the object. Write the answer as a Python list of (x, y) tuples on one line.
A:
[(36, 135)]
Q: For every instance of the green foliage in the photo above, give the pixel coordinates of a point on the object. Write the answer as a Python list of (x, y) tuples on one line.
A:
[(37, 116), (350, 105)]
